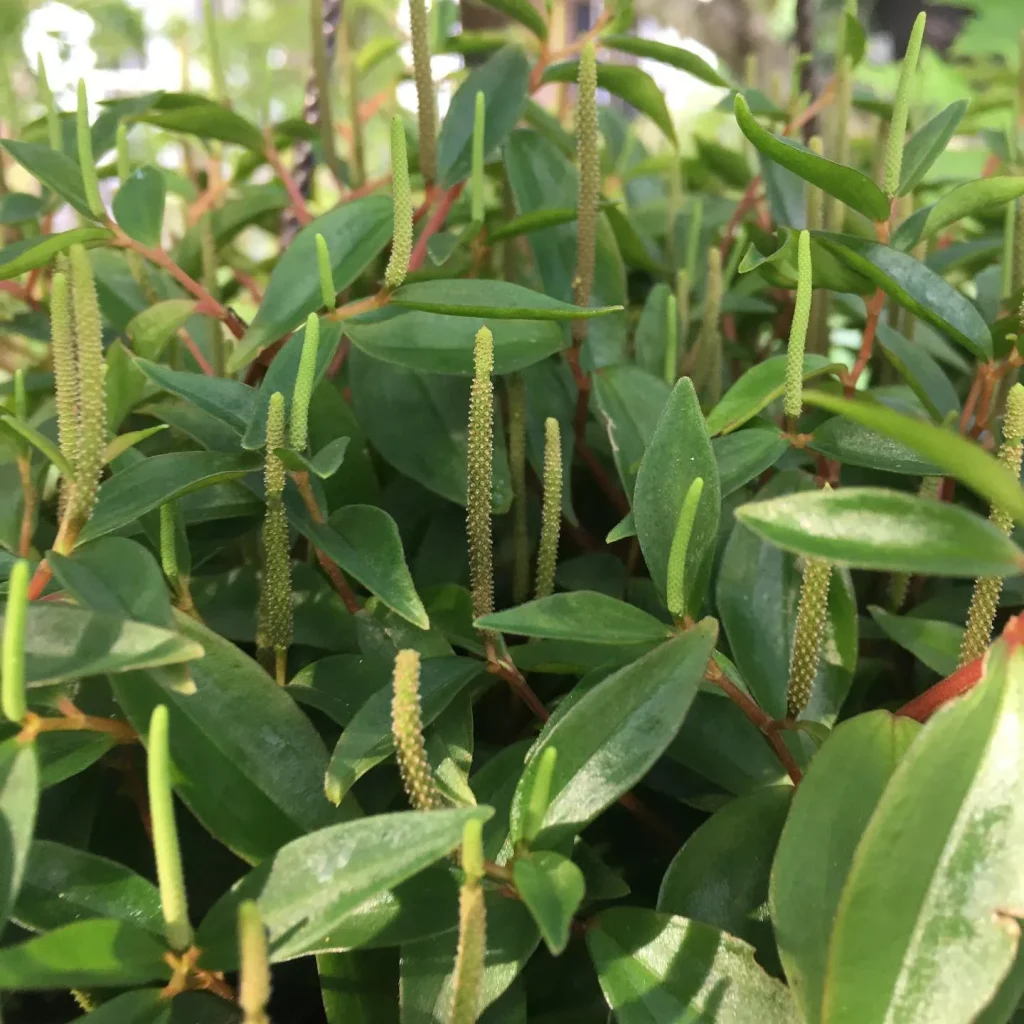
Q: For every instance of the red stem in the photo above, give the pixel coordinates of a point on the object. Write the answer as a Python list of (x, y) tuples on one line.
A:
[(434, 224)]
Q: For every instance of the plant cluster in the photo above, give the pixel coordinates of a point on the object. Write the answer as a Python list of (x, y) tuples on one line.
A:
[(525, 613)]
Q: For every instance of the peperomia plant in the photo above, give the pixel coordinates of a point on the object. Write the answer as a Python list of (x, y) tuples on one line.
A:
[(537, 582)]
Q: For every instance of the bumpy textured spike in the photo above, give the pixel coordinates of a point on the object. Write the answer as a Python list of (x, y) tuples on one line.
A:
[(479, 472), (516, 388), (901, 109), (671, 367), (274, 626), (254, 965), (86, 163), (708, 367), (53, 132), (169, 873), (92, 408), (473, 850), (588, 155), (477, 176), (675, 584), (65, 369), (323, 265), (792, 403), (273, 467), (299, 425), (469, 957), (551, 509), (401, 244), (426, 102), (683, 305), (12, 658), (1018, 248), (985, 599), (899, 582), (810, 624), (168, 542), (693, 237), (539, 795), (407, 729)]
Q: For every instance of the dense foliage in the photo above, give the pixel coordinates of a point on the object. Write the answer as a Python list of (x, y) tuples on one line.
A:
[(534, 583)]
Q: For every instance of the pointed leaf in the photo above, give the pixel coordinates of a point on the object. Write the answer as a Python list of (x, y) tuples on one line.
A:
[(552, 888), (674, 56), (30, 253), (746, 454), (524, 12), (927, 144), (139, 205), (41, 443), (19, 799), (55, 170), (963, 201), (935, 644), (197, 115), (924, 375), (228, 400), (855, 445)]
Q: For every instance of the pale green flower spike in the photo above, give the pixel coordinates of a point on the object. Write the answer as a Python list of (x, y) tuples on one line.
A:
[(273, 467), (683, 303), (810, 625), (901, 109), (479, 471), (274, 625), (86, 163), (815, 196), (53, 132), (551, 509), (323, 263), (92, 405), (473, 850), (407, 729), (839, 151), (254, 965), (12, 658), (477, 176), (671, 368), (401, 243), (588, 155), (539, 796), (165, 833), (65, 371), (219, 90), (299, 424), (792, 403), (707, 371), (515, 385), (1009, 250), (124, 165), (899, 582), (985, 599), (426, 102), (693, 237), (675, 583), (168, 542), (1018, 248), (469, 957)]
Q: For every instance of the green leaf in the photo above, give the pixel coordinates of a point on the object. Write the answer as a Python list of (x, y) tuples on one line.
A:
[(535, 220), (831, 809), (139, 1006), (64, 642), (118, 445), (65, 754), (311, 889), (938, 866), (524, 12), (55, 170), (856, 445), (965, 200), (148, 484), (417, 422), (650, 338), (487, 299), (355, 233), (622, 530), (63, 885), (367, 739), (746, 454), (924, 375), (871, 528), (916, 288), (610, 737), (631, 401), (679, 452), (153, 328), (324, 464), (197, 115), (552, 888), (759, 386), (579, 615), (40, 442), (935, 644), (957, 457), (658, 969), (21, 208), (86, 954), (19, 800), (757, 596), (139, 205), (674, 56), (927, 144), (230, 401), (846, 184), (443, 343), (504, 80), (247, 761), (627, 82), (30, 253)]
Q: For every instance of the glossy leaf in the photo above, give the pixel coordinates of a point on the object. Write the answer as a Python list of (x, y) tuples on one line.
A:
[(40, 442), (55, 170), (139, 205), (355, 233), (659, 969), (924, 375), (855, 445), (153, 328), (19, 799), (30, 253), (367, 738), (927, 144), (831, 810), (678, 453), (579, 615), (746, 454), (846, 184), (552, 888), (966, 200), (935, 644), (674, 56), (524, 12), (609, 738), (871, 528), (504, 80), (197, 115), (230, 401)]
